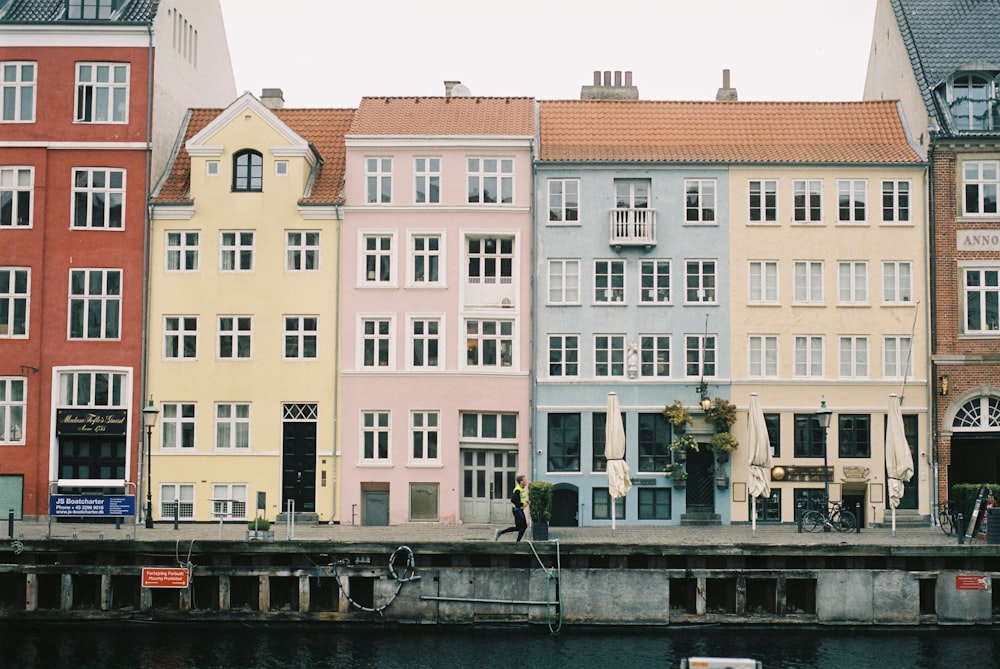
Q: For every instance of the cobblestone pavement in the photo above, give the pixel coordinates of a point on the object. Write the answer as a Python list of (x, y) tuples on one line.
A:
[(741, 534)]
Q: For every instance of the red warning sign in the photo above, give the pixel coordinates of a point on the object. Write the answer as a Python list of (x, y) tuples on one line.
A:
[(972, 582), (164, 577)]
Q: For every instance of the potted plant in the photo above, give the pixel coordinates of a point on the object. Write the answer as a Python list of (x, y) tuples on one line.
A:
[(677, 416), (681, 445), (723, 444), (259, 529), (721, 414), (668, 470), (680, 479), (540, 508)]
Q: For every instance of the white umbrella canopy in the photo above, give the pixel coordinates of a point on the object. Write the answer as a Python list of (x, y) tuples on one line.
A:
[(614, 452), (898, 459), (758, 456)]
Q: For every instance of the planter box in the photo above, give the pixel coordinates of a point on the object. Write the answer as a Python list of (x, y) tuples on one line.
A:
[(260, 535), (540, 531)]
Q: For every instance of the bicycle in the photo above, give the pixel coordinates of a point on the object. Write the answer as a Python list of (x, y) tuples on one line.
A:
[(947, 518), (836, 517)]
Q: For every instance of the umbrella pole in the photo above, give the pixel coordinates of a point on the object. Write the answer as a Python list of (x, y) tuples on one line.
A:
[(893, 521), (613, 514), (753, 515)]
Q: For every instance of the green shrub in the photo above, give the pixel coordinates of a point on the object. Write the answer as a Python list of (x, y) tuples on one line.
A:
[(259, 524), (540, 501)]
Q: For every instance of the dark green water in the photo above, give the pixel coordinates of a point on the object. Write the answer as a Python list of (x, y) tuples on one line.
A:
[(291, 646)]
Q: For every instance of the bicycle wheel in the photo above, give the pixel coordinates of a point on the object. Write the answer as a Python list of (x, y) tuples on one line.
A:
[(844, 521), (944, 519), (812, 521)]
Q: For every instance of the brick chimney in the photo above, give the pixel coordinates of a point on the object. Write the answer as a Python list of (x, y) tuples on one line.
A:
[(726, 93), (273, 98), (605, 90)]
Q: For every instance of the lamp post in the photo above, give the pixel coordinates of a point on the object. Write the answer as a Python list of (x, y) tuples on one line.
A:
[(823, 415), (149, 416)]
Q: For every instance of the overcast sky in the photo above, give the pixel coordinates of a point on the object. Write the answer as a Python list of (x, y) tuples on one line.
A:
[(330, 53)]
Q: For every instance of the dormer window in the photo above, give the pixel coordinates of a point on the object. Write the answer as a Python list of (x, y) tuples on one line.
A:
[(973, 102), (90, 10), (248, 171)]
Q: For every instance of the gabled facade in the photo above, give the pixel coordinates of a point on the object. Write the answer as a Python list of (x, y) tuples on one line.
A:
[(244, 332), (941, 58), (435, 309), (79, 139)]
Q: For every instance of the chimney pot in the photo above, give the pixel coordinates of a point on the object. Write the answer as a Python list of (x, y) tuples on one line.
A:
[(272, 98), (607, 77), (597, 77), (628, 77), (449, 86), (725, 78), (618, 77)]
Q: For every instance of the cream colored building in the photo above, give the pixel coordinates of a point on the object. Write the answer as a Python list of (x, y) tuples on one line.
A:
[(243, 327)]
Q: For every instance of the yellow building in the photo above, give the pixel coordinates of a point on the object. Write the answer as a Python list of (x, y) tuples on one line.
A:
[(829, 304), (243, 328)]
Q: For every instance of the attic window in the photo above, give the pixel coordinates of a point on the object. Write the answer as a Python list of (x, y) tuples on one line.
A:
[(89, 10), (973, 102), (248, 171), (281, 168), (212, 168)]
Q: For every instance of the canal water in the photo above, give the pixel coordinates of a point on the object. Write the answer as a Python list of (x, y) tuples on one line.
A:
[(301, 646)]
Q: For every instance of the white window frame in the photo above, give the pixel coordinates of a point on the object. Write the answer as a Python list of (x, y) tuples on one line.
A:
[(427, 180), (762, 282), (302, 250), (659, 271), (559, 349), (424, 339), (176, 416), (855, 193), (74, 392), (494, 267), (281, 168), (897, 202), (15, 293), (609, 355), (984, 177), (378, 180), (421, 248), (376, 423), (987, 295), (762, 356), (700, 201), (481, 171), (808, 363), (762, 201), (564, 281), (212, 168), (19, 89), (236, 328), (301, 330), (379, 250), (86, 197), (897, 284), (237, 420), (852, 282), (484, 336), (13, 409), (609, 281), (563, 202), (701, 355), (654, 355), (897, 360), (236, 508), (110, 304), (17, 182), (182, 251), (109, 81), (177, 494), (808, 190), (701, 277), (237, 249), (807, 285), (383, 327), (425, 432), (178, 331), (854, 353)]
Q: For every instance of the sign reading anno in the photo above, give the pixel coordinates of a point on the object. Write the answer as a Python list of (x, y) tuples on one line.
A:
[(978, 240), (164, 577)]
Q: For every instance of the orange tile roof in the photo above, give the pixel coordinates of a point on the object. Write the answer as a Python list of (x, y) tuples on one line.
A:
[(440, 116), (324, 128), (743, 132)]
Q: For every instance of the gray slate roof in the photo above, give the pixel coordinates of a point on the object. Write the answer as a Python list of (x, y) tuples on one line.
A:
[(54, 11), (943, 35)]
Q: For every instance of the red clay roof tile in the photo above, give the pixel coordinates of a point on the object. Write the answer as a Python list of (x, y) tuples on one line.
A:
[(440, 116)]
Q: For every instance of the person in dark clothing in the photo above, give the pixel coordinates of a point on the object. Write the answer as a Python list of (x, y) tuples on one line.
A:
[(519, 503)]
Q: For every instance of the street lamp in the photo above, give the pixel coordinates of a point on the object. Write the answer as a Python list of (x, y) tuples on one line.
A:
[(149, 416), (823, 415)]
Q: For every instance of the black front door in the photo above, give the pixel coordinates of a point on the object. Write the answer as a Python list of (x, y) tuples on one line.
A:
[(298, 466), (700, 495)]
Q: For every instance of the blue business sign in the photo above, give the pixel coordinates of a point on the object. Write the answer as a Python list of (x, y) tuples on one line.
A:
[(101, 506)]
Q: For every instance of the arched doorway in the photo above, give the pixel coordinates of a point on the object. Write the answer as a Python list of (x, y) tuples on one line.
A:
[(974, 424), (565, 506)]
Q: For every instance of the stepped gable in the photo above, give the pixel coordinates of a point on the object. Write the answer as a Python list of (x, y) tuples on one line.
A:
[(712, 132), (450, 116)]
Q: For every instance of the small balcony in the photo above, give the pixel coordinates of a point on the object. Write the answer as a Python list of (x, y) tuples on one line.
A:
[(633, 227)]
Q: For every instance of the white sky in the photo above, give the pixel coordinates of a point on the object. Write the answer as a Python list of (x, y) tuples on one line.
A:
[(330, 53)]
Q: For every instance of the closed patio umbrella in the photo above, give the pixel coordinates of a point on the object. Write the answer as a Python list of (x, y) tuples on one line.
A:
[(898, 459), (759, 457), (614, 452)]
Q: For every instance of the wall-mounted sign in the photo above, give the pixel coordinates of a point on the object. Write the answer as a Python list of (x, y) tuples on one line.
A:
[(164, 577), (101, 506), (91, 422), (978, 240), (972, 582)]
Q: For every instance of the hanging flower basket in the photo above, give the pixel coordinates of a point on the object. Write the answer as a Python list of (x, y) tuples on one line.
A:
[(722, 482), (723, 443), (722, 414), (683, 444), (677, 416), (680, 482)]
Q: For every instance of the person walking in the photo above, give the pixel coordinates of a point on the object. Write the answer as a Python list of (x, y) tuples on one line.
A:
[(519, 503)]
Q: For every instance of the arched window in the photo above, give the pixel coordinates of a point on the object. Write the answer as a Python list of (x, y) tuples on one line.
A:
[(972, 96), (981, 413), (248, 171)]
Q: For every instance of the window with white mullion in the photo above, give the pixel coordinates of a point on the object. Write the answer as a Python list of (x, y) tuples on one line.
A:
[(232, 425), (93, 389), (489, 343), (564, 281), (98, 199), (378, 180), (895, 201), (980, 182), (699, 355), (424, 437), (377, 253), (13, 405), (375, 437), (762, 356), (896, 359), (183, 250), (427, 180), (425, 343), (564, 355), (179, 498), (102, 92), (180, 337), (763, 281), (301, 251), (230, 500), (17, 187), (95, 297), (235, 337), (15, 301), (490, 260), (301, 337), (17, 91), (852, 197), (425, 256), (376, 343), (808, 356), (177, 427), (807, 197), (654, 281), (700, 280), (808, 278), (490, 180), (763, 199), (654, 356), (853, 357), (236, 251), (609, 281), (564, 200), (609, 355), (897, 282), (852, 282), (982, 300)]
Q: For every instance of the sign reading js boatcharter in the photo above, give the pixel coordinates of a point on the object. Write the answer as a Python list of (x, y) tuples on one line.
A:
[(92, 506), (91, 422)]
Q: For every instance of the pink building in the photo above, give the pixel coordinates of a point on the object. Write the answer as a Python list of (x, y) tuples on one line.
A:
[(435, 281)]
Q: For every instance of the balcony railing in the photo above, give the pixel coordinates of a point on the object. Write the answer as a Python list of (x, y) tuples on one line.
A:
[(633, 227)]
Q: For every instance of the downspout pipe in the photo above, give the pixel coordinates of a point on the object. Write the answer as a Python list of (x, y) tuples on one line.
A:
[(146, 240)]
